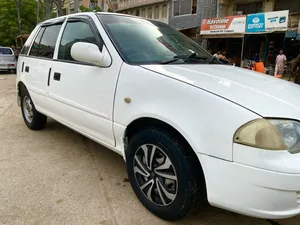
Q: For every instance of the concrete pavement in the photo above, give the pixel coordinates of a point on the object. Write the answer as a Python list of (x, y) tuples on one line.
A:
[(57, 176)]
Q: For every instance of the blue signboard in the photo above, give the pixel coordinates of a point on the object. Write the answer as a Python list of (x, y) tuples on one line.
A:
[(255, 23)]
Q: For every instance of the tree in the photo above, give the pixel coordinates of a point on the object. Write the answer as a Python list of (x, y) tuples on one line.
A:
[(9, 19), (49, 5), (85, 9)]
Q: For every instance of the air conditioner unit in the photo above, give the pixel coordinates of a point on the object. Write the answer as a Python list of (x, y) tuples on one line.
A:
[(238, 13)]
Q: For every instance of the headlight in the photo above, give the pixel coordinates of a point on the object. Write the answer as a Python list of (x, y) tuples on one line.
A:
[(270, 134)]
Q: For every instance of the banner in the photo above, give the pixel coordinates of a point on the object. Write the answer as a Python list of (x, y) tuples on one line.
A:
[(255, 22), (276, 21), (230, 24), (267, 22)]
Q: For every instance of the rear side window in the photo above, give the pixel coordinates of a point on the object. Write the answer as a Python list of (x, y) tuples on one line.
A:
[(5, 51), (44, 44), (78, 31), (36, 43)]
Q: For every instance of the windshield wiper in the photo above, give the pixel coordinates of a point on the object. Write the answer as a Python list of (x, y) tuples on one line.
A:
[(184, 58), (169, 60), (213, 58), (194, 55)]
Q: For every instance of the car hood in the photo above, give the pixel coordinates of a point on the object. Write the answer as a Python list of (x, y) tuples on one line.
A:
[(263, 94)]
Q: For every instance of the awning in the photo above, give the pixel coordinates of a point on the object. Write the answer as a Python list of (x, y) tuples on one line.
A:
[(208, 36)]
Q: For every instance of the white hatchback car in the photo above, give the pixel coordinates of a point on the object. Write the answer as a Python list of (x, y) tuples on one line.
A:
[(7, 59), (186, 125)]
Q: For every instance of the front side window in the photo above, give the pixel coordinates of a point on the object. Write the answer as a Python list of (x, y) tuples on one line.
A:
[(77, 31), (48, 41), (140, 41)]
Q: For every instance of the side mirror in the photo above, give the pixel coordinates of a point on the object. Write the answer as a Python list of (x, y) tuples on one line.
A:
[(90, 53)]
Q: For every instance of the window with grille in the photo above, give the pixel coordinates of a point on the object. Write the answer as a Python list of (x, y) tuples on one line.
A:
[(184, 7)]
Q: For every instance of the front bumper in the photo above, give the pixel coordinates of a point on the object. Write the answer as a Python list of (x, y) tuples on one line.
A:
[(251, 191)]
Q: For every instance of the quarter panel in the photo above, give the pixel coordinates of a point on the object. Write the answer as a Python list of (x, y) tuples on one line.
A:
[(207, 121)]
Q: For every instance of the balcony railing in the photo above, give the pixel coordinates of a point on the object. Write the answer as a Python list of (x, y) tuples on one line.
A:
[(135, 3)]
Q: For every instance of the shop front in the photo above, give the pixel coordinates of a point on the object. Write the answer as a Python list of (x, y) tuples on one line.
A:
[(265, 35), (225, 34)]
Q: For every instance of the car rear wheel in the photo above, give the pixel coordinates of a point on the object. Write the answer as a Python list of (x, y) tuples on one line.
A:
[(161, 174), (32, 118)]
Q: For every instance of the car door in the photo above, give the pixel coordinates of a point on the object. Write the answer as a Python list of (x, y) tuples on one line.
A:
[(37, 65), (83, 94)]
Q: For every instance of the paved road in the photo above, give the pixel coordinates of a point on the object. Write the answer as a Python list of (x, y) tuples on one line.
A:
[(57, 176)]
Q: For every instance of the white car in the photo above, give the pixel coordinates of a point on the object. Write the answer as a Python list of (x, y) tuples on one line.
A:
[(187, 126), (7, 59)]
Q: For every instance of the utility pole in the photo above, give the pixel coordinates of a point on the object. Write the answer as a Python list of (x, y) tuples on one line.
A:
[(37, 11), (76, 6), (19, 17)]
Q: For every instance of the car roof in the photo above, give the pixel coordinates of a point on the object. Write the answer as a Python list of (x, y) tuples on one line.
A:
[(57, 19)]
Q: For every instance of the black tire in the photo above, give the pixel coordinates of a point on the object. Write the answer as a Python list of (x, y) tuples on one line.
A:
[(38, 120), (187, 180)]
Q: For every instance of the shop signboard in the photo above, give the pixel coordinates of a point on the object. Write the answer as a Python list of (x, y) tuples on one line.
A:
[(255, 23), (267, 22), (225, 25), (276, 21)]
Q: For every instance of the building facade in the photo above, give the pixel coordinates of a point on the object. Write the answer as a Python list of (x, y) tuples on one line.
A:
[(186, 15), (242, 46), (151, 9)]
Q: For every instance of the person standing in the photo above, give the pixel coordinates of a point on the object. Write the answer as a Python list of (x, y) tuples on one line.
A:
[(280, 63), (16, 52)]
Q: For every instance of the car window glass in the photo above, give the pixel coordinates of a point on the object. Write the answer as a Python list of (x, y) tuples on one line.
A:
[(47, 44), (5, 51), (35, 45), (141, 41), (75, 32)]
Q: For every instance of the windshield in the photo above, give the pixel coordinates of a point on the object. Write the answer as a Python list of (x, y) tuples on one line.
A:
[(5, 51), (141, 41)]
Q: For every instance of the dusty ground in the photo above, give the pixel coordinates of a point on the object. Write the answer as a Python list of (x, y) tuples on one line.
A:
[(57, 176)]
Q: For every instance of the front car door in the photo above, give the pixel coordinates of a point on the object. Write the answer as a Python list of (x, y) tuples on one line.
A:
[(82, 94)]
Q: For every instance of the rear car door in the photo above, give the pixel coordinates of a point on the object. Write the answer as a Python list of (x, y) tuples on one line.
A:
[(37, 66)]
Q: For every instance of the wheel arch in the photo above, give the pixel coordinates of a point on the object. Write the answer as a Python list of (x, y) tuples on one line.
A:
[(20, 86), (145, 122)]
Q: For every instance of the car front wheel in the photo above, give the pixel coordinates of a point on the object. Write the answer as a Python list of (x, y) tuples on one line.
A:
[(161, 174)]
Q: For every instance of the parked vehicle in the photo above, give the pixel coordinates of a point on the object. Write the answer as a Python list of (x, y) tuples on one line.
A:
[(7, 59), (187, 126)]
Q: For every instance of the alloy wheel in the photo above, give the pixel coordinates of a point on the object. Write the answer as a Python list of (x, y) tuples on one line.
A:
[(155, 174)]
